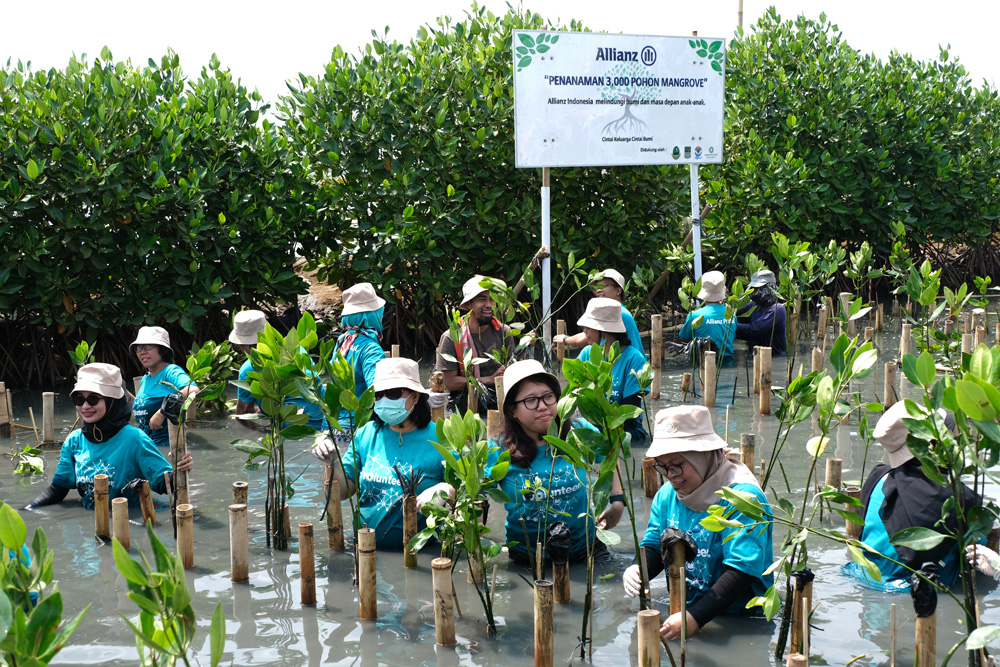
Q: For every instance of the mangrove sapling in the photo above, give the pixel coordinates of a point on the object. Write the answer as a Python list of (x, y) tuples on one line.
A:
[(210, 367), (861, 269), (31, 606), (167, 624)]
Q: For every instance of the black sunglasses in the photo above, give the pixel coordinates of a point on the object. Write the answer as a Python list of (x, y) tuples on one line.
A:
[(391, 394), (90, 399)]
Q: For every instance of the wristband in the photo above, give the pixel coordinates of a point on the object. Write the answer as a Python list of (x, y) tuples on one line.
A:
[(618, 497)]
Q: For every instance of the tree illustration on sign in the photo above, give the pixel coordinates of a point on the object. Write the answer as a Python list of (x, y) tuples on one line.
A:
[(621, 85), (531, 46)]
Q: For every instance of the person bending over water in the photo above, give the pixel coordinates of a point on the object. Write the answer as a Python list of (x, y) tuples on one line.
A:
[(106, 444), (729, 567)]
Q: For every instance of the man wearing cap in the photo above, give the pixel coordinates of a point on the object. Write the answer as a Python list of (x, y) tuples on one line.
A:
[(726, 568), (609, 284), (715, 324), (761, 323), (482, 333), (898, 495)]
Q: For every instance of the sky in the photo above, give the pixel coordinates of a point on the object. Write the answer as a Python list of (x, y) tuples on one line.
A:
[(264, 44)]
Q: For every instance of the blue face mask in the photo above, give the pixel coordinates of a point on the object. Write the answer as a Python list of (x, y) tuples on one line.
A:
[(392, 411)]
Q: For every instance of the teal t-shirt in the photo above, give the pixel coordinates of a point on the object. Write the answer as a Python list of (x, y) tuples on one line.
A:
[(315, 413), (365, 352), (380, 498), (127, 455), (152, 390), (633, 331), (714, 326), (623, 382), (746, 550)]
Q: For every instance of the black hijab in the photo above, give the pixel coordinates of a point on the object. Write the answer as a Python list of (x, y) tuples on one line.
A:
[(116, 416)]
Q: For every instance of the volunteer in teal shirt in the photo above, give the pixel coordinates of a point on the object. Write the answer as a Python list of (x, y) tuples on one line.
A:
[(729, 567), (105, 444), (529, 408), (163, 378), (361, 342), (715, 324), (610, 284), (397, 440)]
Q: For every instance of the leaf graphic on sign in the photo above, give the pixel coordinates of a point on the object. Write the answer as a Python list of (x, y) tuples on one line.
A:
[(524, 62), (527, 40)]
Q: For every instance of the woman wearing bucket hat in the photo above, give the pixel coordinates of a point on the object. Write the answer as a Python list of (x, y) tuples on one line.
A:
[(714, 324), (163, 387), (730, 566), (898, 495), (396, 441), (761, 323), (602, 324), (105, 444), (529, 409), (608, 284)]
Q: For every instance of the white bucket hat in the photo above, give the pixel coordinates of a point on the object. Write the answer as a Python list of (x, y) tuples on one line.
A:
[(615, 276), (103, 379), (151, 336), (246, 325), (520, 370), (713, 286), (360, 298), (604, 315), (685, 428), (471, 289), (891, 432), (398, 373)]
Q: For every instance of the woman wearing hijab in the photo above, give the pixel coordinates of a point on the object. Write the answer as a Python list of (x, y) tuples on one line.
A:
[(164, 386), (397, 441), (761, 323), (105, 444), (730, 565), (529, 409), (898, 495), (602, 324)]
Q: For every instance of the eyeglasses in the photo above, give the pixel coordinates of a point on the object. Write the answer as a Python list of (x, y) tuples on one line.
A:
[(89, 399), (391, 394), (669, 471), (532, 401), (144, 348)]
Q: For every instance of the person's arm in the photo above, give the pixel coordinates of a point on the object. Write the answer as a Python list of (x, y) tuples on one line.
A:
[(453, 381), (685, 332), (612, 514), (50, 496), (575, 341)]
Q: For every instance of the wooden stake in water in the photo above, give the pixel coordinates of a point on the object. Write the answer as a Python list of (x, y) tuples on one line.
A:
[(869, 333), (977, 318), (821, 327), (501, 392), (395, 351), (648, 622), (48, 418), (710, 379), (926, 641), (904, 339), (845, 308), (178, 447), (765, 380), (473, 403), (851, 529), (544, 641), (5, 415), (797, 660), (366, 574), (410, 529), (101, 509), (834, 470), (185, 534), (656, 355), (763, 471), (748, 446), (966, 343), (239, 543), (307, 565), (880, 318), (146, 503), (560, 582), (444, 614), (561, 345), (756, 371), (34, 427), (334, 515), (980, 337), (240, 493), (650, 478), (119, 510), (494, 423), (437, 386), (892, 637), (801, 593), (685, 383), (889, 386), (817, 359)]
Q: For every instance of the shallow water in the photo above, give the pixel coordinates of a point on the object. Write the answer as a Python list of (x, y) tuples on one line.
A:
[(267, 625)]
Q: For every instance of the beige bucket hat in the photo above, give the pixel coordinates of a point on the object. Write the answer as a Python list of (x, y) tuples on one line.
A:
[(520, 370), (151, 336), (398, 373), (615, 276), (246, 325), (685, 428), (604, 315), (103, 379), (891, 432), (361, 298), (713, 286), (471, 289)]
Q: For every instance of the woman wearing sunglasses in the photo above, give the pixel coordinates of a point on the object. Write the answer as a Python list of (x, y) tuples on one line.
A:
[(529, 409), (729, 566), (396, 442), (105, 444), (602, 324), (162, 379)]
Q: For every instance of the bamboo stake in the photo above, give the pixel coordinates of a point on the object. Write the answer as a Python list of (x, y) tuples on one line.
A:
[(904, 340), (851, 529), (444, 617), (48, 418), (307, 565), (146, 503), (34, 427), (501, 393), (869, 333), (796, 316), (544, 640), (765, 380), (926, 641), (685, 383), (996, 333), (889, 386), (880, 317), (949, 327), (648, 622), (239, 543), (178, 447), (656, 355), (119, 510), (797, 660), (101, 509), (185, 534), (677, 573), (845, 305), (977, 317), (892, 637), (834, 471), (801, 594), (473, 402), (286, 521), (437, 386), (410, 529), (710, 379), (539, 561), (821, 326), (366, 577), (650, 479), (967, 343), (240, 493), (395, 351), (980, 337), (334, 516), (806, 609), (756, 371), (683, 611), (561, 345), (748, 446), (817, 360), (494, 423), (560, 582), (763, 471), (5, 426)]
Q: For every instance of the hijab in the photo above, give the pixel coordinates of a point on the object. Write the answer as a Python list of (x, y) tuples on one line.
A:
[(716, 471), (367, 323), (116, 416)]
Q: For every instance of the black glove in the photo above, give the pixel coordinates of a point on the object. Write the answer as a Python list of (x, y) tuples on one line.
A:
[(133, 487), (924, 594), (558, 542), (677, 349), (171, 407), (50, 496), (670, 537)]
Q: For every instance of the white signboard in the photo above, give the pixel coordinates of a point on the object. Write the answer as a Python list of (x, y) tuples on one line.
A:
[(594, 99)]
